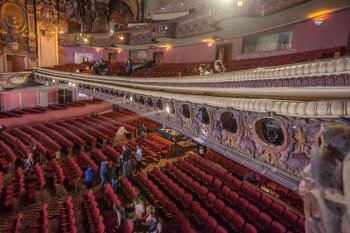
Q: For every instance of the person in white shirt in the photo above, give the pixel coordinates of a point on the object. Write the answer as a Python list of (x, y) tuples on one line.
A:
[(203, 70), (138, 158)]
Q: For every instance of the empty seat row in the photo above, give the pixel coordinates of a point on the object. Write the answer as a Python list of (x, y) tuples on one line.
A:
[(40, 223), (92, 214), (67, 217), (288, 217)]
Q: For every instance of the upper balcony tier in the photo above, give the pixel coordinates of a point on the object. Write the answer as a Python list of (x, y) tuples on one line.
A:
[(322, 79)]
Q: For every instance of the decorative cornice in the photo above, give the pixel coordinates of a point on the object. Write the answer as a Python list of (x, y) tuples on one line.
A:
[(317, 109)]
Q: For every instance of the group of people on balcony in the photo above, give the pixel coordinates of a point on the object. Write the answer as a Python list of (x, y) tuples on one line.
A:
[(216, 67)]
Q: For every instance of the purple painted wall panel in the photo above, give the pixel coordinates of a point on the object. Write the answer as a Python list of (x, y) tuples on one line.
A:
[(333, 32)]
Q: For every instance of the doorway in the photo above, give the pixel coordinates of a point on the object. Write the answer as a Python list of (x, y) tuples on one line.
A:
[(158, 57), (65, 96), (112, 58), (224, 52), (15, 63)]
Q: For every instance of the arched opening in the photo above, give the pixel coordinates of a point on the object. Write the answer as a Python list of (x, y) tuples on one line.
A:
[(134, 99), (142, 101), (74, 27), (159, 104), (270, 131), (186, 111), (170, 108), (121, 94), (229, 122), (122, 12), (150, 102), (203, 116)]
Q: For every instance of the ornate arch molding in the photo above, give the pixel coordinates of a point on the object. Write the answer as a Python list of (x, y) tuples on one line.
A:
[(133, 4)]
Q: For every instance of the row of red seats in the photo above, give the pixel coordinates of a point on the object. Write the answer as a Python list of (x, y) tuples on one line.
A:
[(35, 182), (71, 170), (62, 140), (1, 183), (238, 170), (16, 225), (79, 132), (247, 199), (7, 155), (50, 144), (159, 139), (67, 133), (111, 197), (192, 208), (85, 162), (107, 124), (90, 122), (128, 188), (14, 189), (28, 139), (17, 144), (89, 129), (178, 221), (58, 173), (92, 213), (67, 218), (40, 224), (112, 153), (98, 155)]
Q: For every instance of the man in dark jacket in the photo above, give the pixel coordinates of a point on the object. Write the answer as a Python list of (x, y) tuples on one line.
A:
[(103, 172), (114, 175), (126, 155)]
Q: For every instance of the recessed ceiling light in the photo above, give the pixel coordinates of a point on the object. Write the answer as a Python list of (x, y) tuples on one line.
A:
[(239, 2)]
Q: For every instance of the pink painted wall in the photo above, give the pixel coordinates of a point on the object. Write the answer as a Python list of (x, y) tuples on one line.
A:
[(66, 54), (29, 98), (332, 33), (10, 100), (52, 96), (70, 112), (190, 54)]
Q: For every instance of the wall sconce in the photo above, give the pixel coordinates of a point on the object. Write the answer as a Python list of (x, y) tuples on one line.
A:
[(320, 16), (320, 20), (167, 47), (209, 42), (121, 38), (167, 109)]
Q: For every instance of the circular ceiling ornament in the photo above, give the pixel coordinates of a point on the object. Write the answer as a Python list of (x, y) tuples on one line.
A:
[(13, 17)]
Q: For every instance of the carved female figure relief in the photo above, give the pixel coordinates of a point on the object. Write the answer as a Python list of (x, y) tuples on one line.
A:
[(299, 158), (247, 144), (217, 128)]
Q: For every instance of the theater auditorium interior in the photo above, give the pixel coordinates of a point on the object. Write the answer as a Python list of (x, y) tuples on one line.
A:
[(175, 116)]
